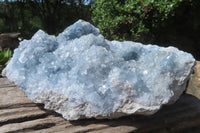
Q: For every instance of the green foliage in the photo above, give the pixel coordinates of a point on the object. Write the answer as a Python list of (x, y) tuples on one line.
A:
[(27, 16), (131, 19), (5, 56), (17, 17)]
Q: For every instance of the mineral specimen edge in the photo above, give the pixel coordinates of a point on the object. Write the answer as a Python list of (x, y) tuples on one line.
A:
[(79, 74)]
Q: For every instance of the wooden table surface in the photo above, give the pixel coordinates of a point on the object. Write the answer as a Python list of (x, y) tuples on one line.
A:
[(19, 114)]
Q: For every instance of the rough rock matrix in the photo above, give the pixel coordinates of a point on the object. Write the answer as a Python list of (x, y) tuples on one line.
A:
[(82, 75)]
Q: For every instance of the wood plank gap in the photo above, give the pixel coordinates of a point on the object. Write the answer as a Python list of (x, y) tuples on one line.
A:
[(24, 118)]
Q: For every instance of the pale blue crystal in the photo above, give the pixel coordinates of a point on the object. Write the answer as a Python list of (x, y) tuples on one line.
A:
[(81, 74)]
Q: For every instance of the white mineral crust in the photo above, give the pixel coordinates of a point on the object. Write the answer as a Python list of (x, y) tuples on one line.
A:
[(80, 74)]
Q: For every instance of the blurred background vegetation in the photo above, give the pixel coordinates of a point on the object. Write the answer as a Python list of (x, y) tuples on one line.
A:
[(161, 22), (27, 16)]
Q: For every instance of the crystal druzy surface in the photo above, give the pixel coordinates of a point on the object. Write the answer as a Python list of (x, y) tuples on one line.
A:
[(82, 75)]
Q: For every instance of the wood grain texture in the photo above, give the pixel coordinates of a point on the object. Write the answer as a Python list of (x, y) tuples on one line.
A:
[(19, 114)]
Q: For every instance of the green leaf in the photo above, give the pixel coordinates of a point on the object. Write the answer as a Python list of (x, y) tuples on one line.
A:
[(5, 56)]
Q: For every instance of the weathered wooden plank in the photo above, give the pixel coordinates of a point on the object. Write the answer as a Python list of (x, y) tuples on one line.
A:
[(118, 129), (27, 126), (19, 114), (73, 129), (59, 127), (12, 96), (4, 82)]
